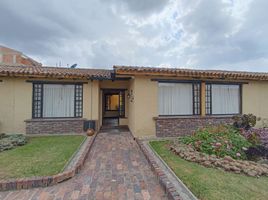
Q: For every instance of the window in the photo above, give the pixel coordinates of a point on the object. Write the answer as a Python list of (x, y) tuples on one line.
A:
[(57, 100), (111, 102), (37, 100), (78, 101), (222, 99), (208, 99), (122, 103), (179, 98), (196, 99)]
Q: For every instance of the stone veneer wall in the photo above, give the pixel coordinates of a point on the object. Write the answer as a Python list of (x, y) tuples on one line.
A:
[(55, 126), (177, 126)]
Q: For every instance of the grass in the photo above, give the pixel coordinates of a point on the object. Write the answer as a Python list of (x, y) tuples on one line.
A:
[(41, 156), (212, 184)]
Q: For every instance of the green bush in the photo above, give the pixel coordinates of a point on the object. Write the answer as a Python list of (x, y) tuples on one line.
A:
[(245, 121), (218, 140), (10, 141)]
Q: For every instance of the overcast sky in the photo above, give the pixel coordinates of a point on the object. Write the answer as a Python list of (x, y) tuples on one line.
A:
[(207, 34)]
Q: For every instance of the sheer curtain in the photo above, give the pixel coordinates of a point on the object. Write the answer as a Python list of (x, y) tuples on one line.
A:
[(58, 100), (225, 99), (175, 99)]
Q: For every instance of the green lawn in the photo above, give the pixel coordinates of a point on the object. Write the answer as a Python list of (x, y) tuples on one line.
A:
[(213, 184), (41, 156)]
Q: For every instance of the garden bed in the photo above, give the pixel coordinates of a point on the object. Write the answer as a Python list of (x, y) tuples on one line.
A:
[(41, 156), (210, 183), (226, 163), (224, 147)]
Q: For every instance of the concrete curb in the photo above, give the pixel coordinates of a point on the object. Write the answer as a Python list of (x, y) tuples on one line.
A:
[(185, 192), (166, 184), (45, 181)]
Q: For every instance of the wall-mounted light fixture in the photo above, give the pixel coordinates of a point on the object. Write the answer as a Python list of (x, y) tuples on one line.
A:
[(130, 96)]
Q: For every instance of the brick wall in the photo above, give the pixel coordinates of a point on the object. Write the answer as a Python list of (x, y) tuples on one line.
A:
[(176, 126), (54, 126), (11, 56)]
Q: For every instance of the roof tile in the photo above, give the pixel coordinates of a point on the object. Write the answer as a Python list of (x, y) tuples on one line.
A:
[(54, 72), (182, 72)]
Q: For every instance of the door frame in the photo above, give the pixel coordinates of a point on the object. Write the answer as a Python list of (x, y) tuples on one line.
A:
[(111, 91)]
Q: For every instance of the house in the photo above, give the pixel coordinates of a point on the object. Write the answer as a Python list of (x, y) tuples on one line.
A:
[(150, 101), (10, 56)]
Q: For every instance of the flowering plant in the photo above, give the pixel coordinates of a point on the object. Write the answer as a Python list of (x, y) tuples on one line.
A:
[(218, 140), (257, 136)]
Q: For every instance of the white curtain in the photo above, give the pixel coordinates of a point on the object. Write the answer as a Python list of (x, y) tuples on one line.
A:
[(175, 99), (58, 100), (225, 99)]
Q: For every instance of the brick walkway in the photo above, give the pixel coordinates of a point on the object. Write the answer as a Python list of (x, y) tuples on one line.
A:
[(115, 169)]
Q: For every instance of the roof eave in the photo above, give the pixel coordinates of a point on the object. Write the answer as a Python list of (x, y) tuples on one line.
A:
[(200, 75), (53, 76)]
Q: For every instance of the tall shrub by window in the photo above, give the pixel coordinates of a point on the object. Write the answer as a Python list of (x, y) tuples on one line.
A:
[(222, 99), (179, 99)]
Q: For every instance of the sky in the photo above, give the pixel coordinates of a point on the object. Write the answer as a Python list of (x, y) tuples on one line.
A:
[(198, 34)]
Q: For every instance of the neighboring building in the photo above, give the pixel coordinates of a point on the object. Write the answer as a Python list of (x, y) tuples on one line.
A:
[(12, 57), (150, 101)]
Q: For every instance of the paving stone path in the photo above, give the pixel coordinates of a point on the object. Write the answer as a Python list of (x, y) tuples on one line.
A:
[(115, 169)]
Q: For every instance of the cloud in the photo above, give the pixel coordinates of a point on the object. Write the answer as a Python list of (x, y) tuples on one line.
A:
[(143, 7), (229, 34)]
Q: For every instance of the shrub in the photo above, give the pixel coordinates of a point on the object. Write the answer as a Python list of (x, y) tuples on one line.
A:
[(218, 140), (10, 141), (2, 135), (245, 121), (257, 136), (257, 152)]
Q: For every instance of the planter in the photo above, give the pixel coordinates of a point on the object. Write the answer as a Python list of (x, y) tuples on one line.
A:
[(90, 132)]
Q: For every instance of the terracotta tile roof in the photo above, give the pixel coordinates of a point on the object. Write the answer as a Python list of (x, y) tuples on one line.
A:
[(193, 73), (54, 72)]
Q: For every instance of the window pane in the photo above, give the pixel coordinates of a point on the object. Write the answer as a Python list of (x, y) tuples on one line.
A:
[(112, 102), (122, 104), (78, 100), (225, 99), (58, 100), (208, 99), (37, 100), (196, 92), (175, 99)]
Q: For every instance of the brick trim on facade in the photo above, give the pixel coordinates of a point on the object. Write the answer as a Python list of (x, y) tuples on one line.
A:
[(45, 181), (177, 126), (55, 126)]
